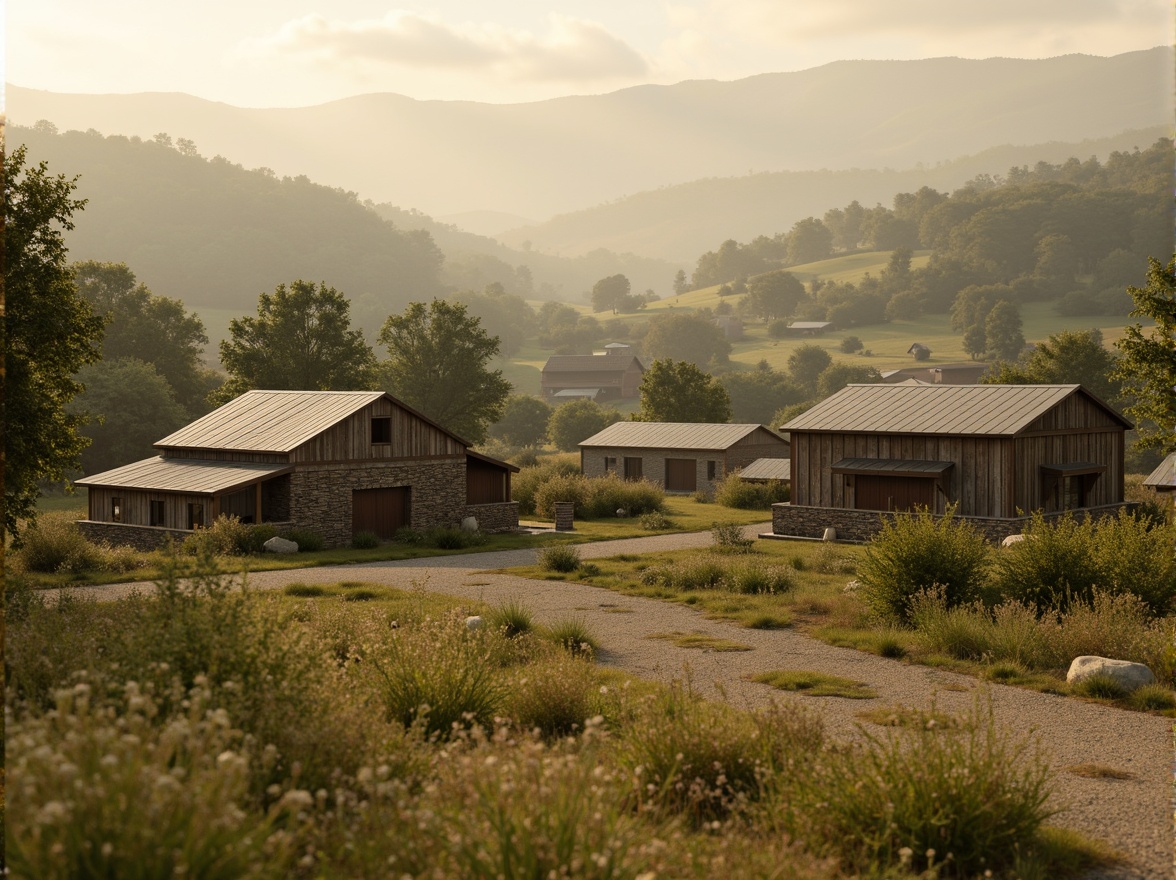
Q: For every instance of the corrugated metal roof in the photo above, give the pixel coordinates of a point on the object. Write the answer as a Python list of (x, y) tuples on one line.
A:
[(185, 475), (809, 325), (270, 421), (979, 410), (589, 363), (673, 435), (768, 469), (1164, 476), (897, 466)]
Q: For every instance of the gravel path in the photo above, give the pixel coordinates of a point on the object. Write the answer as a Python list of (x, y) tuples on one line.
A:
[(1133, 815)]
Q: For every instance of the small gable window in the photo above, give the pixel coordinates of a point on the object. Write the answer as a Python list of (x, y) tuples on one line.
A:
[(382, 429)]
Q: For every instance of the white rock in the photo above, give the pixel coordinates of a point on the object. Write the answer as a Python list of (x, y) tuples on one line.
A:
[(280, 545), (622, 513), (852, 587), (1011, 540), (1129, 675), (473, 622), (469, 524)]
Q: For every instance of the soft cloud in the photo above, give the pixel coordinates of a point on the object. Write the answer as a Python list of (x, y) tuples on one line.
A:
[(572, 50)]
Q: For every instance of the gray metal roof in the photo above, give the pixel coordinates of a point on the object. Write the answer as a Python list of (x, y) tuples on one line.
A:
[(269, 421), (896, 466), (768, 469), (977, 410), (185, 475), (809, 325), (674, 435), (1164, 476), (589, 363)]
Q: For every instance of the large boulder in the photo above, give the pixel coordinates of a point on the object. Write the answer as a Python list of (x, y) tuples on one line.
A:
[(469, 524), (280, 545), (1129, 675)]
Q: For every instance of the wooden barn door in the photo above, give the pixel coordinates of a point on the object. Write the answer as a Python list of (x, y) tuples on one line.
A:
[(382, 511), (893, 493), (681, 475)]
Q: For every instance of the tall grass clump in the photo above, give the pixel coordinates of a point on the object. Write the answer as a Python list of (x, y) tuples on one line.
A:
[(563, 558), (1065, 560), (526, 483), (308, 541), (733, 491), (55, 545), (1009, 632), (574, 636), (228, 536), (1112, 625), (439, 676), (730, 537), (512, 618), (917, 552), (607, 495), (555, 694), (964, 801)]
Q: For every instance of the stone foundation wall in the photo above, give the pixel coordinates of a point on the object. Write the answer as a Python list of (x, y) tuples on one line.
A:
[(145, 538), (320, 496), (500, 517), (800, 521)]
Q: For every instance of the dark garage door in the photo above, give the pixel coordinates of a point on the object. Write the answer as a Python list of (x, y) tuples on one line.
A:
[(382, 511), (893, 493), (681, 475)]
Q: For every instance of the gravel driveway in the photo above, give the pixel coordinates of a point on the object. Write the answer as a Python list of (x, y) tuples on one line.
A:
[(1132, 815)]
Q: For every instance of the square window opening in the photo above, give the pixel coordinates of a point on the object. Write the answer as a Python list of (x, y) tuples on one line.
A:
[(157, 513), (382, 429)]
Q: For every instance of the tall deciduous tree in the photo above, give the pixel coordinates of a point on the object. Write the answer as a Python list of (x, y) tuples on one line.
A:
[(523, 422), (301, 339), (578, 420), (437, 363), (1147, 366), (1068, 357), (49, 334), (611, 293), (806, 364), (774, 294), (678, 391), (1002, 332), (147, 327), (693, 338)]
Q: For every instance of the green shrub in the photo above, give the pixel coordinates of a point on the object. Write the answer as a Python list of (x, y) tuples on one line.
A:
[(410, 536), (307, 541), (756, 578), (1152, 697), (1101, 687), (304, 591), (656, 522), (449, 538), (559, 557), (745, 495), (589, 569), (1009, 632), (561, 487), (54, 543), (574, 636), (729, 536), (699, 571), (526, 483), (893, 803), (228, 536), (1133, 555), (440, 676), (703, 496), (554, 695), (598, 497), (365, 541), (360, 596), (916, 552), (511, 618), (1110, 625)]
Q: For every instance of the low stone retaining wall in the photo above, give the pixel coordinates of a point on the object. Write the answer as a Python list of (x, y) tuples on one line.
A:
[(799, 521), (500, 517), (145, 538)]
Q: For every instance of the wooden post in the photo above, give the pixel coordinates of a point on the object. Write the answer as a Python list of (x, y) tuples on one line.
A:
[(257, 505), (563, 516)]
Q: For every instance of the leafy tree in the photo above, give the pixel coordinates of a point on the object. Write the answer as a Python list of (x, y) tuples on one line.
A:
[(49, 334), (128, 405), (678, 391), (850, 344), (505, 315), (147, 327), (524, 421), (693, 338), (611, 293), (1002, 332), (681, 284), (1147, 365), (810, 240), (1068, 357), (774, 294), (301, 339), (806, 364), (577, 420), (437, 357), (757, 394), (838, 375)]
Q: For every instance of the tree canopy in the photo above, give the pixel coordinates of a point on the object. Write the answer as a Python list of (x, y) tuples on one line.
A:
[(578, 420), (774, 295), (694, 338), (1068, 357), (678, 391), (50, 333), (437, 363), (611, 294), (301, 339), (1147, 366), (524, 421), (806, 364)]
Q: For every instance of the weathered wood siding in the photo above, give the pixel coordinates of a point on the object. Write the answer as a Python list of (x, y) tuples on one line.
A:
[(485, 483), (755, 445), (1076, 413), (1070, 447), (981, 481), (351, 439), (136, 506)]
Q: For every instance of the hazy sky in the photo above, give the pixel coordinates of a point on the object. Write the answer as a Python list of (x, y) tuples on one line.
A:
[(296, 52)]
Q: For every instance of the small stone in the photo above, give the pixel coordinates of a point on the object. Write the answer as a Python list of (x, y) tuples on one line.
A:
[(473, 622), (1129, 675), (280, 545), (852, 587), (830, 534), (469, 524), (622, 513), (1011, 540)]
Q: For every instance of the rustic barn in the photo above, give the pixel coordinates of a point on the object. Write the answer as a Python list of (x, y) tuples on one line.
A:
[(994, 452), (334, 462), (1163, 478), (682, 457), (614, 375)]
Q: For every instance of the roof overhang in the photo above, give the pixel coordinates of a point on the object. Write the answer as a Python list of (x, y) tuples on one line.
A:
[(893, 467), (1074, 469), (505, 465), (188, 476)]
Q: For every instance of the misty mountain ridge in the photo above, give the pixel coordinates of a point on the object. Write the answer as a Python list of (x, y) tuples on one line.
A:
[(548, 157)]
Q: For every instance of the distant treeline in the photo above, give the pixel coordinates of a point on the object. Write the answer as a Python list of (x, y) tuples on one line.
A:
[(1077, 232), (211, 233)]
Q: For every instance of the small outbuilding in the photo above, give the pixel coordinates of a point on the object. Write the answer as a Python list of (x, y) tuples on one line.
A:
[(767, 470), (1163, 478), (681, 457), (333, 462), (993, 452), (614, 375)]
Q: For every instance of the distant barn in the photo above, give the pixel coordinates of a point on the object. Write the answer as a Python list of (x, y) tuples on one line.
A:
[(614, 375)]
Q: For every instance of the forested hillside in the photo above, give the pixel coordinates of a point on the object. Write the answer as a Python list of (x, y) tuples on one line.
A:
[(211, 233)]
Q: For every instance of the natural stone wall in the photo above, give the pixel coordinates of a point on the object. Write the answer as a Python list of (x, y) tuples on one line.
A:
[(145, 538), (320, 495), (800, 521), (500, 517)]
